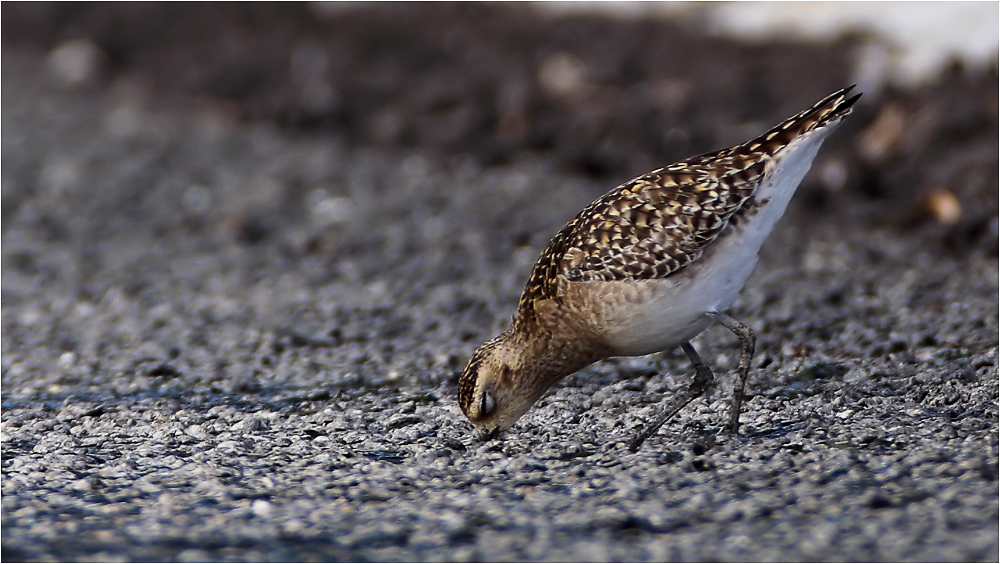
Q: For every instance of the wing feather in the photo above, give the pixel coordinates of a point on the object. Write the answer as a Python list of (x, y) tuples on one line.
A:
[(657, 224)]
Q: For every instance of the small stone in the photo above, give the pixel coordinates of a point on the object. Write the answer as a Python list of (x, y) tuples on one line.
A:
[(196, 431), (943, 205), (261, 508), (75, 62), (67, 360)]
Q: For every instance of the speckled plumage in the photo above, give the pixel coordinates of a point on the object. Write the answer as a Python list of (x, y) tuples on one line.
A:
[(627, 254), (655, 225)]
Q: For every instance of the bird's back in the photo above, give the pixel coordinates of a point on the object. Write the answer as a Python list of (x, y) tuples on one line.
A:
[(661, 223)]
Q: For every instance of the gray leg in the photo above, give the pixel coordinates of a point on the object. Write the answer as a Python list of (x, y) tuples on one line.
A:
[(702, 380), (747, 344)]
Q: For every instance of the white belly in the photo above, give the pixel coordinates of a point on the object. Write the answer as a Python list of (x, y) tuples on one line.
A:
[(640, 317), (645, 316)]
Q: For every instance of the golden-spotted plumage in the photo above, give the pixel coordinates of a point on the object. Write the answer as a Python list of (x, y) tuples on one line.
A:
[(574, 309), (657, 224)]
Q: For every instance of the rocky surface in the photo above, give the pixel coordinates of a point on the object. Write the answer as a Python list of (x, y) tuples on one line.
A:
[(231, 336)]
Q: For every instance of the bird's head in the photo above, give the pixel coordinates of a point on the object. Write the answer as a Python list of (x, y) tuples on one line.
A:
[(503, 379)]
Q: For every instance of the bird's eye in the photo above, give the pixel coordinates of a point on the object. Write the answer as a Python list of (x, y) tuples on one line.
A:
[(487, 404)]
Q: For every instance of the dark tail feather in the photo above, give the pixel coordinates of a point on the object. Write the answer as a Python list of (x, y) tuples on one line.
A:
[(828, 110)]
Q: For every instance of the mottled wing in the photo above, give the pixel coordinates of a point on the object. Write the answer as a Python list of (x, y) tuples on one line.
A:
[(656, 225)]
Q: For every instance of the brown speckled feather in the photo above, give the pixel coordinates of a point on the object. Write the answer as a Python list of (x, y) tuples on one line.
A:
[(659, 223)]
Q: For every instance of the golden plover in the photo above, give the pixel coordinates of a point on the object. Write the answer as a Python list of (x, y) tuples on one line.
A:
[(646, 268)]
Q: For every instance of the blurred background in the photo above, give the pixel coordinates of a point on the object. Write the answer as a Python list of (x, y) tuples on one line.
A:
[(607, 90)]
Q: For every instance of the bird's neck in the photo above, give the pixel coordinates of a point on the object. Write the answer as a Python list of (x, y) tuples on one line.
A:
[(550, 355)]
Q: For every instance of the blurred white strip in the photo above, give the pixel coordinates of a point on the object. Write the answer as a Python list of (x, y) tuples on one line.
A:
[(925, 36), (915, 39)]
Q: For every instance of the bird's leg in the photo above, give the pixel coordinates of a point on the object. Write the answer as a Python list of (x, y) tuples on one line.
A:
[(747, 344), (702, 380)]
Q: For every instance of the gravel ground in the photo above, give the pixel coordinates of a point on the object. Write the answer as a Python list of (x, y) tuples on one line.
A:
[(233, 338)]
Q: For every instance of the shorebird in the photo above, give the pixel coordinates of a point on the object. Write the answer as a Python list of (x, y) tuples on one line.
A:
[(646, 268)]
